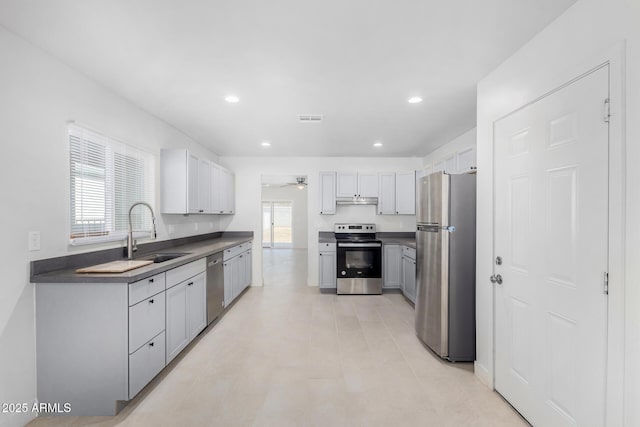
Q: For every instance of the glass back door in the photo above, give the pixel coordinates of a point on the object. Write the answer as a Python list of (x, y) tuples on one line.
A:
[(276, 224)]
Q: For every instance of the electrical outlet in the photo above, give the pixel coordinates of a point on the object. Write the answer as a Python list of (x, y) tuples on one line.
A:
[(34, 240)]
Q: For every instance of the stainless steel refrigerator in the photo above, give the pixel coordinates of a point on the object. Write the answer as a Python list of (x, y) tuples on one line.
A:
[(446, 264)]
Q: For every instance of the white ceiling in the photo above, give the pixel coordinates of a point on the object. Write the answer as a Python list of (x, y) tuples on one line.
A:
[(354, 61)]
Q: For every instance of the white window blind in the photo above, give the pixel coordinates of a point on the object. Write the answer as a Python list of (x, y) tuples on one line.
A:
[(107, 177)]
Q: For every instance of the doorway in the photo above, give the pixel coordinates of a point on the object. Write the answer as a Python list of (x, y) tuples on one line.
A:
[(284, 230), (551, 253)]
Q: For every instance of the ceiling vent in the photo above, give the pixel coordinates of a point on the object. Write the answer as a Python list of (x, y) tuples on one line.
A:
[(310, 118)]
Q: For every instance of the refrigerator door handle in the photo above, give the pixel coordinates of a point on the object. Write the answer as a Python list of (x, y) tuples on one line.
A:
[(433, 228)]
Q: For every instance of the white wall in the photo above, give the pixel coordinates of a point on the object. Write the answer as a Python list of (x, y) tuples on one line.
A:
[(299, 216), (248, 172), (589, 33), (38, 96)]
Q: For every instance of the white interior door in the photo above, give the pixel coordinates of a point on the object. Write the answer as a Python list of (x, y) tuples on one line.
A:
[(551, 225)]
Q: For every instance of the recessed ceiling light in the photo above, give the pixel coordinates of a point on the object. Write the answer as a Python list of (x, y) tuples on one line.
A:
[(232, 99), (377, 144), (265, 144), (414, 100)]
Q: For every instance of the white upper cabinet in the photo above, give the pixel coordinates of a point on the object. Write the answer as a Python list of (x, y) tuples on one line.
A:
[(466, 160), (223, 187), (451, 164), (192, 185), (438, 166), (395, 191), (462, 161), (367, 185), (347, 184), (219, 193), (327, 193), (351, 184), (230, 186), (387, 193), (204, 186), (406, 193)]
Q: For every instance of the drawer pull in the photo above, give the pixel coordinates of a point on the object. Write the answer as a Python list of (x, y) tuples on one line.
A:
[(151, 344), (190, 283), (150, 301), (150, 280)]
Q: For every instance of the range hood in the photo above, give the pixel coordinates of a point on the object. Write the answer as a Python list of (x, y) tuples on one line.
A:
[(357, 200)]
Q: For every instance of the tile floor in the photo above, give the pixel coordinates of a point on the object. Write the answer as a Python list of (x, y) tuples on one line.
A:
[(292, 356)]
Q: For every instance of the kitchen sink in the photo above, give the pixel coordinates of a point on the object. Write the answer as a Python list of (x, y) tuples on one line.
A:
[(162, 257)]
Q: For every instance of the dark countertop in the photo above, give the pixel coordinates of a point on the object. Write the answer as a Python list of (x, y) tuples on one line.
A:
[(326, 237), (405, 241), (196, 250)]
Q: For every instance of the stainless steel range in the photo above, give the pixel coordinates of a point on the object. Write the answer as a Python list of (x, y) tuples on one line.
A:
[(359, 259)]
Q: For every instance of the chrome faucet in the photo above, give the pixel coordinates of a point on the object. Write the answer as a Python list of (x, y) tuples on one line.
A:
[(130, 242)]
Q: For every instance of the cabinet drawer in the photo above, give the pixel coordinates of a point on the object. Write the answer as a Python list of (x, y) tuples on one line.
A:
[(234, 251), (146, 363), (145, 288), (327, 247), (182, 273), (409, 252), (146, 320)]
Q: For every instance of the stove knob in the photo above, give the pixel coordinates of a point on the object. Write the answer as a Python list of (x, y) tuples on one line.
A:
[(344, 273)]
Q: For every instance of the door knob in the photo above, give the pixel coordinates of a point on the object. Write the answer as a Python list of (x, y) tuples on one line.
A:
[(496, 278)]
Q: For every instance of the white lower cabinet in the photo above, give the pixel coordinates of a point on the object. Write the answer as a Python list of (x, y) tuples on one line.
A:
[(197, 304), (177, 323), (145, 363), (186, 313), (392, 266), (327, 266), (100, 342), (408, 284), (146, 320), (237, 268), (230, 270)]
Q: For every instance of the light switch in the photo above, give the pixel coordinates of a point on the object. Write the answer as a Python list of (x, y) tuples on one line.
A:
[(34, 240)]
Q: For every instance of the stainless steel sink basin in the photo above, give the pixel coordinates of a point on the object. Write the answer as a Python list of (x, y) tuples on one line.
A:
[(162, 257)]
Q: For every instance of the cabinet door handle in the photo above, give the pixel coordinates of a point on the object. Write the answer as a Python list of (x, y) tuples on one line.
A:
[(190, 283), (150, 301), (151, 344), (150, 280)]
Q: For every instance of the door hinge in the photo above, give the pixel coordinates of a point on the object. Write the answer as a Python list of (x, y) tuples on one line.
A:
[(607, 110), (606, 283)]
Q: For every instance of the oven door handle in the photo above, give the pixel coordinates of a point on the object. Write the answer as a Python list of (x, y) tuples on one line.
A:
[(359, 245)]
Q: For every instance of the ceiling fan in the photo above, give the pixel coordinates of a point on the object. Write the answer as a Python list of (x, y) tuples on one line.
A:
[(300, 183)]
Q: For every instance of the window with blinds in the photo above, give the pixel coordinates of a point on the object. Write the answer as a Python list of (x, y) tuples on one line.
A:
[(107, 177)]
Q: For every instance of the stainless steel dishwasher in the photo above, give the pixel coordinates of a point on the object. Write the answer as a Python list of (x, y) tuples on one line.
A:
[(215, 286)]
